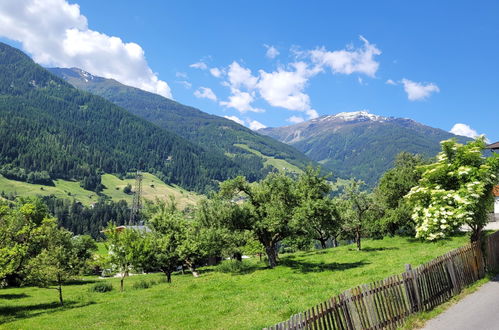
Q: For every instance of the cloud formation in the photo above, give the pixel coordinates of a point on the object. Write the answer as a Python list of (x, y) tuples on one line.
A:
[(418, 91), (464, 130), (55, 33), (285, 86), (205, 93), (199, 65), (236, 119), (255, 125), (350, 60), (272, 52)]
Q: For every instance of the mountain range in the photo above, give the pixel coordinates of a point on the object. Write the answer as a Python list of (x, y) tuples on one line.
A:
[(360, 144), (50, 130), (252, 152)]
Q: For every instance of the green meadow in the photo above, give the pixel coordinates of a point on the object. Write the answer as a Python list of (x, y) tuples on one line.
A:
[(251, 299)]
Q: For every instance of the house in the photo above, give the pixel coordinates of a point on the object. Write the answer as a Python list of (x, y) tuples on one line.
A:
[(494, 147)]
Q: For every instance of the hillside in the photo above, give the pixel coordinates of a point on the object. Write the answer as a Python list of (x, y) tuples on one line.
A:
[(51, 130), (360, 144), (152, 188), (213, 132)]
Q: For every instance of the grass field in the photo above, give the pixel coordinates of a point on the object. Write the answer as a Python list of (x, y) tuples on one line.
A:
[(152, 188), (280, 164), (216, 300)]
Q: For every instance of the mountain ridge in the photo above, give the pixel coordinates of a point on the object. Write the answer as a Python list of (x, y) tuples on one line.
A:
[(212, 131), (360, 144)]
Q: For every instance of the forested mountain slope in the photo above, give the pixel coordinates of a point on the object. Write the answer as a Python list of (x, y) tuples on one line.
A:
[(49, 129), (360, 144), (212, 132)]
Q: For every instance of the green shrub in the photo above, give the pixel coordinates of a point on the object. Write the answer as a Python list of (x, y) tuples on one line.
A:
[(102, 287), (143, 284), (232, 266)]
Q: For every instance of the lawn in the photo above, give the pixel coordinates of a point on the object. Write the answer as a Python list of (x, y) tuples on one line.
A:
[(216, 300)]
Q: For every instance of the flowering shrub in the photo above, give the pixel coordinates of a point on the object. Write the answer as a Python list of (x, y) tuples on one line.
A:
[(455, 190)]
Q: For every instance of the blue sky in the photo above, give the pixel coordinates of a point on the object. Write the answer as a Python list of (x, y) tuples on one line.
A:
[(276, 62)]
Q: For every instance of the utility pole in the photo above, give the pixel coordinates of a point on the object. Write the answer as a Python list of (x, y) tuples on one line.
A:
[(137, 200)]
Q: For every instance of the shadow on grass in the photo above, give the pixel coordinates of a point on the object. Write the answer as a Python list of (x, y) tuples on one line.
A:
[(13, 313), (13, 296), (368, 249), (79, 282), (314, 267)]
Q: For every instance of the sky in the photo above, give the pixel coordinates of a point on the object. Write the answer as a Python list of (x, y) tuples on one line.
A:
[(275, 63)]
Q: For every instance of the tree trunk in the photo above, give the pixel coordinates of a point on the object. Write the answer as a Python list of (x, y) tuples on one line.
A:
[(476, 234), (238, 256), (61, 301), (168, 274), (357, 239), (272, 255), (335, 242), (121, 283), (323, 242)]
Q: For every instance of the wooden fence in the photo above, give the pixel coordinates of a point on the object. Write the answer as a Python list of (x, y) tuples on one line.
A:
[(385, 304)]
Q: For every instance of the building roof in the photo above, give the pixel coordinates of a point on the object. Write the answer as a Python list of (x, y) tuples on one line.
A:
[(495, 191), (493, 146)]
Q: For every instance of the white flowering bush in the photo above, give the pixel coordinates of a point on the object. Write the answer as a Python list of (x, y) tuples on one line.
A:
[(455, 190)]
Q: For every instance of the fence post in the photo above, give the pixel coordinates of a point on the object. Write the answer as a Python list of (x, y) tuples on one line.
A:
[(414, 287), (456, 288)]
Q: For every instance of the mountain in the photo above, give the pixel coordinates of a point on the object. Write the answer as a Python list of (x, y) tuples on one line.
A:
[(360, 144), (49, 130), (244, 146)]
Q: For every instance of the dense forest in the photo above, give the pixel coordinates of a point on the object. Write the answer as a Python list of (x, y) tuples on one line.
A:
[(49, 130)]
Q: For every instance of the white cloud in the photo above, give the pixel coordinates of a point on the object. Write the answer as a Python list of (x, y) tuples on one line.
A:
[(241, 77), (216, 72), (199, 65), (236, 119), (241, 101), (391, 82), (255, 125), (284, 88), (56, 34), (205, 93), (312, 114), (272, 52), (182, 75), (348, 61), (295, 119), (418, 91), (464, 130)]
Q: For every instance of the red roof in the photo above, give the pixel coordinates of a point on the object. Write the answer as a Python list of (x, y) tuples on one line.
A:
[(496, 191)]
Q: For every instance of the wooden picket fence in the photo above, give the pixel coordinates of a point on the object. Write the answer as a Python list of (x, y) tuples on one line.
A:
[(386, 304)]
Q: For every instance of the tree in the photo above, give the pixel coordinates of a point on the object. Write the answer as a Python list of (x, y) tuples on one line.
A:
[(221, 221), (454, 191), (61, 258), (168, 234), (316, 215), (392, 187), (20, 224), (355, 207), (268, 206), (125, 248)]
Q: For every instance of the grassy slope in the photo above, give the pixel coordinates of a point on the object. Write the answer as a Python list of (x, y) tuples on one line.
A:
[(280, 164), (152, 187), (217, 300)]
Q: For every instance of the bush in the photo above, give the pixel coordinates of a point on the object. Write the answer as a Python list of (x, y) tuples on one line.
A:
[(102, 287), (143, 284), (233, 266)]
